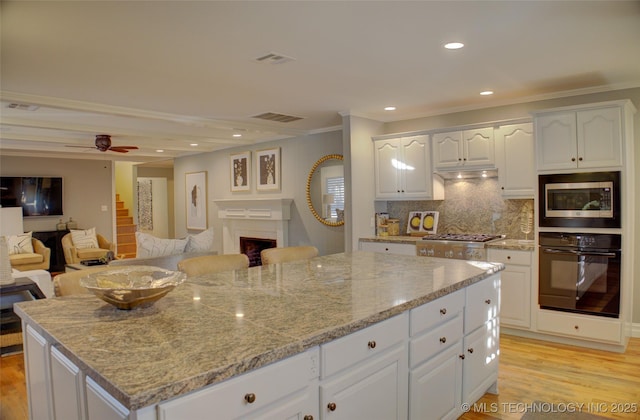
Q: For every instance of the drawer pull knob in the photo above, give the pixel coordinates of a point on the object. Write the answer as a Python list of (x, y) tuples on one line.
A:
[(331, 406), (443, 340), (470, 350), (371, 344), (250, 398), (308, 417), (573, 159), (488, 301), (508, 257), (461, 356), (443, 311), (576, 327)]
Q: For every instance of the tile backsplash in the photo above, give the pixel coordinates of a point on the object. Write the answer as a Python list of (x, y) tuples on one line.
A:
[(472, 206)]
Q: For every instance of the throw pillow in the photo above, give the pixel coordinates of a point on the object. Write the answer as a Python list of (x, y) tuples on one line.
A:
[(20, 244), (202, 242), (84, 238), (150, 246)]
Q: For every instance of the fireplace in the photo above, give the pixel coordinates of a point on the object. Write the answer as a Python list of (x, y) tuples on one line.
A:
[(263, 219), (252, 247)]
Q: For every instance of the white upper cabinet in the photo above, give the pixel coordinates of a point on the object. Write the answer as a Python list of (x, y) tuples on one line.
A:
[(468, 148), (515, 161), (581, 139), (403, 169)]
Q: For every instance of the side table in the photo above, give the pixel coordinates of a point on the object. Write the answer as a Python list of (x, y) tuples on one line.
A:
[(10, 323)]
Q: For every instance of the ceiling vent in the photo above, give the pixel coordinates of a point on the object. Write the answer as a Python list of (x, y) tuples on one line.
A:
[(272, 116), (274, 58), (23, 107)]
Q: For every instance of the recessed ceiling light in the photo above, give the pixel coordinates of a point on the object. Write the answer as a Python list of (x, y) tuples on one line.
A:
[(194, 144), (389, 108), (486, 93), (453, 45), (237, 135), (159, 150)]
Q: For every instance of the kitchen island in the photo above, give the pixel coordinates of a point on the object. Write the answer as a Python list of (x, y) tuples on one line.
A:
[(219, 328)]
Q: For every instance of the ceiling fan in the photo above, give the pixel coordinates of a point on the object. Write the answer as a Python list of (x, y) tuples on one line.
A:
[(103, 143)]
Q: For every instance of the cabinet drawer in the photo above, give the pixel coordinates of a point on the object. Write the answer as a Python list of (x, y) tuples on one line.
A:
[(482, 303), (580, 326), (230, 399), (436, 312), (506, 256), (388, 247), (431, 343), (354, 348)]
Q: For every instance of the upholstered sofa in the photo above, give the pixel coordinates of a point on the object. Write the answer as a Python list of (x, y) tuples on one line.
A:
[(39, 259)]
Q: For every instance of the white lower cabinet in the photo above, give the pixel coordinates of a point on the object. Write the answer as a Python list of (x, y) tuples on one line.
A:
[(283, 390), (480, 367), (364, 375), (101, 405), (36, 352), (388, 248), (515, 287), (68, 390)]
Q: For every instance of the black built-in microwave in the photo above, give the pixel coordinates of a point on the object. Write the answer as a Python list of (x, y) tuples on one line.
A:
[(585, 200)]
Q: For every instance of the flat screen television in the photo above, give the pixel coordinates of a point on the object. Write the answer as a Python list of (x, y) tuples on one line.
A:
[(37, 195)]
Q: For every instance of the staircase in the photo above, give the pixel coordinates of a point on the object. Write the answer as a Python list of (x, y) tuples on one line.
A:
[(126, 231)]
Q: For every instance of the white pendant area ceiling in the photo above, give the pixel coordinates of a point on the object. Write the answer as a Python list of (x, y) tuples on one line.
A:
[(186, 76)]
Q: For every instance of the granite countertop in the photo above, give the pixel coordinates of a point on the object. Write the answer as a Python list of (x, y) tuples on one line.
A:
[(402, 239), (216, 326), (514, 244)]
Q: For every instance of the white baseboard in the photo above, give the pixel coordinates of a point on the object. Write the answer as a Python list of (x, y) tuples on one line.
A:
[(635, 330)]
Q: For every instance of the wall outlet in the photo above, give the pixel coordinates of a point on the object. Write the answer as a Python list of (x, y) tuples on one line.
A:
[(104, 208)]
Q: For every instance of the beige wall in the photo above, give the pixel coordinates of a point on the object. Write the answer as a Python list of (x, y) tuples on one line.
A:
[(297, 158), (86, 184), (361, 197)]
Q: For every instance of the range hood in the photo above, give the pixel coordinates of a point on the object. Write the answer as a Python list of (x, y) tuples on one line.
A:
[(468, 174)]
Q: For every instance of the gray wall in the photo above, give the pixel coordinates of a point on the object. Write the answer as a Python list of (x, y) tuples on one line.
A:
[(86, 184), (297, 158), (361, 148)]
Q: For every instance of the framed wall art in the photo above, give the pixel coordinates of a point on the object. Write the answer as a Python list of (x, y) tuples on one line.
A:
[(268, 170), (196, 200), (240, 171)]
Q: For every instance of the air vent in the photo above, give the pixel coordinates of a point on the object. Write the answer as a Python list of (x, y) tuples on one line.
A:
[(272, 116), (23, 107), (274, 58)]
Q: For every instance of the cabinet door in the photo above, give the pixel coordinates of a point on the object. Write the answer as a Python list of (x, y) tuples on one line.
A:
[(387, 157), (515, 160), (447, 149), (67, 384), (599, 138), (301, 406), (480, 365), (515, 299), (376, 389), (482, 303), (415, 167), (36, 350), (556, 136), (478, 147), (435, 387), (101, 405)]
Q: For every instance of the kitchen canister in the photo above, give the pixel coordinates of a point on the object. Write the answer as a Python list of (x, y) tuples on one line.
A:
[(393, 227)]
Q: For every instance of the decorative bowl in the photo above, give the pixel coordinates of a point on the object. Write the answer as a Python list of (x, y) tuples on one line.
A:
[(134, 286)]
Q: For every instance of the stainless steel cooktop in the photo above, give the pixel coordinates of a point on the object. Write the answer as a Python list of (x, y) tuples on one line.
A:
[(461, 246)]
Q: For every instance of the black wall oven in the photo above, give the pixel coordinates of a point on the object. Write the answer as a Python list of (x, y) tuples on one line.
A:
[(580, 272), (587, 199)]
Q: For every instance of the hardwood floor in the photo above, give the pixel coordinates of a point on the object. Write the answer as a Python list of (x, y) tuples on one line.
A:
[(530, 370)]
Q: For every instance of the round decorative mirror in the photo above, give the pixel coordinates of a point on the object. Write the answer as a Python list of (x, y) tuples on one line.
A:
[(325, 190)]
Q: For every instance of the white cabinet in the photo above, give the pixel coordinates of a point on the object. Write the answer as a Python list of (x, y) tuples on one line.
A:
[(68, 389), (586, 327), (515, 151), (286, 389), (482, 339), (435, 350), (36, 350), (388, 247), (403, 169), (101, 405), (515, 287), (364, 375), (579, 139), (473, 148)]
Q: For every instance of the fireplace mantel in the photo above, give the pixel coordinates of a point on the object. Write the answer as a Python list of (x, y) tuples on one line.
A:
[(255, 208), (266, 218)]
